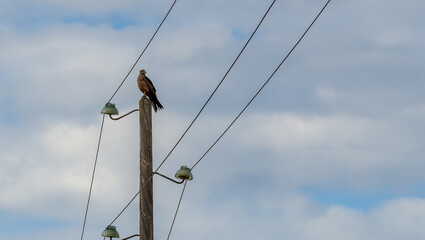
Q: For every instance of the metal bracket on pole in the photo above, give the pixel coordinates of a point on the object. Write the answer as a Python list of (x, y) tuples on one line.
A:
[(118, 118), (168, 178)]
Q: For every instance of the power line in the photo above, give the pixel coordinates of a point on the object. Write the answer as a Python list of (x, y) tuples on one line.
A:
[(265, 83), (92, 176), (215, 90), (134, 65)]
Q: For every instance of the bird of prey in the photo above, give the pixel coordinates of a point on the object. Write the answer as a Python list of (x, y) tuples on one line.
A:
[(146, 86)]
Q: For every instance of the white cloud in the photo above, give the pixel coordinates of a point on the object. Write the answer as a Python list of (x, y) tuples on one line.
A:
[(393, 220), (334, 151), (297, 217), (290, 132), (76, 62)]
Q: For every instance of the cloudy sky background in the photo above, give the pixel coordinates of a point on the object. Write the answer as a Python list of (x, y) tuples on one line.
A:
[(331, 149)]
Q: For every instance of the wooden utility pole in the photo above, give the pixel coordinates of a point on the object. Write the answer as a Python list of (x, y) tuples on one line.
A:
[(146, 169)]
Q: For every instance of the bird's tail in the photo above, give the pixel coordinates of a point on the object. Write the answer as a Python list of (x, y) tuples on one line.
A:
[(155, 102)]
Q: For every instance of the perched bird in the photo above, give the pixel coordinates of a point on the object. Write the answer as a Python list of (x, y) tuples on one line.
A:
[(146, 86)]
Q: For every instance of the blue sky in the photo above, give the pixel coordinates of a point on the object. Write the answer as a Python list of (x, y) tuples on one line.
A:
[(331, 149)]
